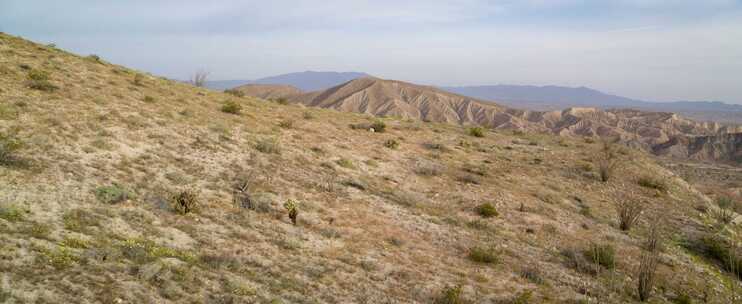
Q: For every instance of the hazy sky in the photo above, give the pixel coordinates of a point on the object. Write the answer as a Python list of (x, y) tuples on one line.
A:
[(650, 49)]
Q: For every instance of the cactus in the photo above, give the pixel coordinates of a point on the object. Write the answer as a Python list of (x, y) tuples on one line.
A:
[(293, 210)]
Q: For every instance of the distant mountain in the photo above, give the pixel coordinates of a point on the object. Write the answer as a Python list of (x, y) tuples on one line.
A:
[(659, 132), (545, 98), (306, 81)]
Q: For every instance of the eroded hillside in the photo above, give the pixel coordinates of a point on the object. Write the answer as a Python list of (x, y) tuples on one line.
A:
[(101, 161)]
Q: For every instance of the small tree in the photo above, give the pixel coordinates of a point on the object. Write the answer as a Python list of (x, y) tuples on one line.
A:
[(199, 78)]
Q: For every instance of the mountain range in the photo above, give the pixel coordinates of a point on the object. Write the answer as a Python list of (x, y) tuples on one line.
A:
[(305, 81), (662, 133), (527, 97)]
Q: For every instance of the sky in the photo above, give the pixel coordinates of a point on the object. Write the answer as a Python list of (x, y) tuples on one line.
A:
[(646, 49)]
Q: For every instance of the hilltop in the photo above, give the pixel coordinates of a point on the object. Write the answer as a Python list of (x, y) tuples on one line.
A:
[(123, 187)]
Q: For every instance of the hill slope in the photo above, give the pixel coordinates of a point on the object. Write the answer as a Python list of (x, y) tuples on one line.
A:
[(269, 91), (90, 201)]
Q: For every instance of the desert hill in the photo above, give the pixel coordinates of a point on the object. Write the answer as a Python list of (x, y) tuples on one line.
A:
[(117, 186), (400, 99)]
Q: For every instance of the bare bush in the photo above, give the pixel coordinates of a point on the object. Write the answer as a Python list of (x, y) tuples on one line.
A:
[(607, 161), (628, 211), (199, 78), (648, 264)]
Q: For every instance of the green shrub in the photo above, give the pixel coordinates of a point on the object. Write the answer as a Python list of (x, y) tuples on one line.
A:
[(9, 147), (39, 80), (724, 252), (391, 144), (379, 126), (345, 163), (235, 92), (484, 255), (11, 214), (269, 146), (603, 255), (231, 107), (487, 210), (111, 194), (286, 124), (653, 183), (475, 131), (451, 295), (60, 258), (149, 99)]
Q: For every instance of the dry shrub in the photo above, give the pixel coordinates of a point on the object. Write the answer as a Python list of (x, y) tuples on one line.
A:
[(646, 275), (451, 295), (199, 78), (628, 210), (185, 201), (607, 161)]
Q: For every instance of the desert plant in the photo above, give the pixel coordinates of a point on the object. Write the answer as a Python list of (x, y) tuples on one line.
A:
[(451, 295), (234, 92), (487, 210), (484, 255), (647, 268), (269, 146), (607, 161), (9, 146), (199, 78), (293, 210), (378, 126), (286, 124), (241, 195), (724, 212), (391, 144), (113, 194), (11, 213), (39, 80), (532, 274), (428, 168), (628, 211), (475, 131), (601, 255), (726, 252), (185, 201), (231, 107), (652, 183)]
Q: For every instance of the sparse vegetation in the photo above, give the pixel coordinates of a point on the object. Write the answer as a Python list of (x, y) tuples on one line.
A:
[(39, 80), (628, 210), (286, 124), (293, 210), (234, 92), (476, 131), (451, 295), (484, 255), (607, 161), (231, 107), (723, 251), (9, 147), (652, 183), (724, 212), (113, 194), (11, 213), (391, 144), (602, 255), (268, 146), (185, 201), (487, 210)]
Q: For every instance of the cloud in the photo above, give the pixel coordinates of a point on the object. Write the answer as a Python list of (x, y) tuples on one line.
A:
[(651, 49)]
